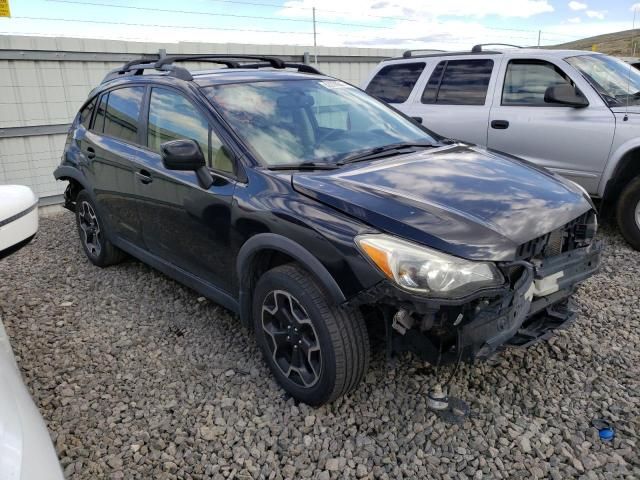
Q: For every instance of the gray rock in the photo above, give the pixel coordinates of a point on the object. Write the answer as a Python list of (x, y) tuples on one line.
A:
[(333, 464), (137, 378)]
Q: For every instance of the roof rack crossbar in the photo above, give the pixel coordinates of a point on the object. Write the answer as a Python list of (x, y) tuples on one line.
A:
[(273, 61), (165, 63), (478, 48), (144, 59), (301, 67)]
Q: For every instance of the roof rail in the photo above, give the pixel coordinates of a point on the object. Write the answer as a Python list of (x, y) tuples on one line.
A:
[(478, 48), (409, 53), (302, 67), (164, 62)]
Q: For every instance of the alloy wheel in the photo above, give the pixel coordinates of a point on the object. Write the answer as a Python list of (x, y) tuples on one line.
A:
[(90, 227), (637, 215), (291, 338)]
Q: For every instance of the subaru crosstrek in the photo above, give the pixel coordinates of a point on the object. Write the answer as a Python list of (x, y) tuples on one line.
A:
[(322, 216)]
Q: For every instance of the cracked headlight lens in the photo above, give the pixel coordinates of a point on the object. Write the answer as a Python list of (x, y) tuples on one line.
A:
[(425, 270)]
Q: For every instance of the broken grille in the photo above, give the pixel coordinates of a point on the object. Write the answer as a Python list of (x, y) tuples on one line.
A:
[(577, 233)]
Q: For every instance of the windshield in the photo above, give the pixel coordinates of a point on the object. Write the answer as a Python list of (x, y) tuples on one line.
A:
[(617, 81), (290, 122)]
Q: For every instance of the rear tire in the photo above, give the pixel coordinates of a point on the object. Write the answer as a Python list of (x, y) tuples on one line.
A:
[(628, 213), (93, 236), (316, 350)]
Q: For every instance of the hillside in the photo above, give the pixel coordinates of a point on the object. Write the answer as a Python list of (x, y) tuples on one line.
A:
[(618, 43)]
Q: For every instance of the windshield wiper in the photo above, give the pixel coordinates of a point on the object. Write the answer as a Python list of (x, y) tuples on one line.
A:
[(383, 150), (304, 166)]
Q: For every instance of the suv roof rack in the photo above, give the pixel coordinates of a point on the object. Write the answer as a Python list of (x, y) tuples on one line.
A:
[(478, 48), (444, 53), (409, 53), (165, 63)]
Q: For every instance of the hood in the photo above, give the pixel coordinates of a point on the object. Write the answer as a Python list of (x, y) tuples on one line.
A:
[(631, 109), (463, 200)]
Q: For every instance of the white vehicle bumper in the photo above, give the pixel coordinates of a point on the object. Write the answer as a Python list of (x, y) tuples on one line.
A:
[(18, 216), (26, 451)]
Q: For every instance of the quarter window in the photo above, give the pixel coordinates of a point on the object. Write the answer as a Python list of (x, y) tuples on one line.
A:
[(526, 81), (98, 122), (123, 112), (394, 83), (173, 117), (85, 114), (459, 82)]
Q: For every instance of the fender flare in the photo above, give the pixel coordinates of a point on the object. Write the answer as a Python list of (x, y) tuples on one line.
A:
[(63, 172), (272, 241), (611, 169)]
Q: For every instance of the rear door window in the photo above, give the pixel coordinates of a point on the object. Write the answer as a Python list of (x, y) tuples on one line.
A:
[(394, 83), (123, 112), (459, 82), (526, 81)]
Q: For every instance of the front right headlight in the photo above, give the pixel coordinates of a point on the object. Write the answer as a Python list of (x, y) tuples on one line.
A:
[(424, 270)]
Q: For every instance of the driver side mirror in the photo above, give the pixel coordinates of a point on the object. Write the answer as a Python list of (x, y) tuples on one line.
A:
[(565, 95), (186, 155)]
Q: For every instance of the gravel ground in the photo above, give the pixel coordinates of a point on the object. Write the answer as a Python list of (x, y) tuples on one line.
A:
[(138, 377)]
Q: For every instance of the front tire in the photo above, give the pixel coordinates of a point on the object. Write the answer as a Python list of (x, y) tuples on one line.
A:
[(317, 351), (91, 228), (628, 213)]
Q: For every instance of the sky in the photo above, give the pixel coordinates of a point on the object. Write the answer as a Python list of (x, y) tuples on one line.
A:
[(437, 24)]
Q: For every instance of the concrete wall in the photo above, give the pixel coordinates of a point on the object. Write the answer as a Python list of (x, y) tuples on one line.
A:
[(44, 80)]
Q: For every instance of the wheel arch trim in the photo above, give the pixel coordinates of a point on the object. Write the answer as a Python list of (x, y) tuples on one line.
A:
[(272, 241), (64, 172), (615, 163)]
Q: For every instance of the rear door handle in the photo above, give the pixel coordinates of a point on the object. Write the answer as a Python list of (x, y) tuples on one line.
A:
[(144, 177), (91, 153), (499, 124), (417, 119)]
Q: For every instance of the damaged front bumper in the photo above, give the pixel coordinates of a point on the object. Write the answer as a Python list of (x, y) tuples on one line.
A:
[(528, 310), (539, 304)]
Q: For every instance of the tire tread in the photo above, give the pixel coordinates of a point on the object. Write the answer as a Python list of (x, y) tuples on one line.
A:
[(346, 328), (625, 208)]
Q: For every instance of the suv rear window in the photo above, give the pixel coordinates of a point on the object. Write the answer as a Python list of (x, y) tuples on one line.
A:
[(123, 112), (394, 83), (459, 82)]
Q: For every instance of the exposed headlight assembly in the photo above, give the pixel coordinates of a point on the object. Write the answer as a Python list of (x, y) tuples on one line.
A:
[(427, 271)]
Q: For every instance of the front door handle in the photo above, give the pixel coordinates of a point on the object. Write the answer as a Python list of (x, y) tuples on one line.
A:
[(417, 119), (499, 124), (91, 153), (144, 177)]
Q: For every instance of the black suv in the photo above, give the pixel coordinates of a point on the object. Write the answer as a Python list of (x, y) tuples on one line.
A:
[(323, 217)]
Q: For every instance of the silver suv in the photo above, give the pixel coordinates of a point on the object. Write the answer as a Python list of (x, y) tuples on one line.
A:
[(576, 113)]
